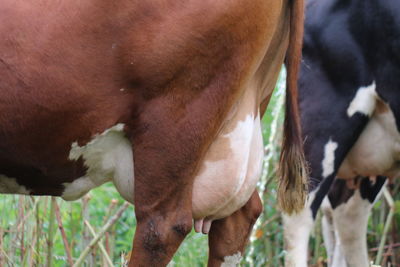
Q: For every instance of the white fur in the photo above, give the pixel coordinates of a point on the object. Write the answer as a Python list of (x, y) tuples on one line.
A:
[(338, 259), (329, 158), (364, 101), (331, 239), (232, 261), (377, 150), (297, 228), (328, 230), (350, 222), (10, 186), (78, 188), (107, 156)]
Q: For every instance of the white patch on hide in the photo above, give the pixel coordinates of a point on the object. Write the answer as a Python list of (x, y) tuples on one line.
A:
[(10, 186), (225, 185), (77, 188), (364, 101), (108, 156), (328, 163), (232, 261)]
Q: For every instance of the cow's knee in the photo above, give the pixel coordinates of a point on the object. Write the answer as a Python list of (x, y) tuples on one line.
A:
[(183, 227), (160, 229), (158, 236)]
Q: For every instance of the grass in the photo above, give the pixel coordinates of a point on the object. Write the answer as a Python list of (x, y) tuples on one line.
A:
[(30, 233)]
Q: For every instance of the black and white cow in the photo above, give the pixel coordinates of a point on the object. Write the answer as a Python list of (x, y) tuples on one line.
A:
[(350, 107)]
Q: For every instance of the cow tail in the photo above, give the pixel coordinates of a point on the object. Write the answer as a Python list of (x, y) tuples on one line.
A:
[(293, 168)]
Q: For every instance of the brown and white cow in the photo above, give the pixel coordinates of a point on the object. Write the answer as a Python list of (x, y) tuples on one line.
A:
[(162, 97)]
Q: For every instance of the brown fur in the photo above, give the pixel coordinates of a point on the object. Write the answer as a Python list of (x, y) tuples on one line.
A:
[(293, 167), (171, 71)]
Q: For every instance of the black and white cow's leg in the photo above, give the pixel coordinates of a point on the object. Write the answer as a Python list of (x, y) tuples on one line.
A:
[(228, 236), (351, 210), (344, 222), (350, 221), (339, 193), (328, 232)]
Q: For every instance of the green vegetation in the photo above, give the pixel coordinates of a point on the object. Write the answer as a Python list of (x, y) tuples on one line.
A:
[(30, 233)]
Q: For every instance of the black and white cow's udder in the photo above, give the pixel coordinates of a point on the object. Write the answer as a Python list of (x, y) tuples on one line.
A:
[(377, 150)]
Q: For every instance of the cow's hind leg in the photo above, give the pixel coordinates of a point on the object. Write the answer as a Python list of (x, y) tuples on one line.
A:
[(228, 236), (330, 235), (328, 230), (350, 218)]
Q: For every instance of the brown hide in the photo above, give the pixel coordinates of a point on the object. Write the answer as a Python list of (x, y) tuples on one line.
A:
[(171, 71)]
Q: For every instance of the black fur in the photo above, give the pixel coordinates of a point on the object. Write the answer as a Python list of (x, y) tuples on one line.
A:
[(347, 44)]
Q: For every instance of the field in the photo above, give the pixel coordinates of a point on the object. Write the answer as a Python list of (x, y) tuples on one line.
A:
[(44, 231)]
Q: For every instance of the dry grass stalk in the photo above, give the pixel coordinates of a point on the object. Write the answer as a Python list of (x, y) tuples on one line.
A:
[(101, 233), (50, 237), (110, 210), (31, 258), (21, 212), (102, 249), (86, 234), (63, 235), (1, 246), (389, 218)]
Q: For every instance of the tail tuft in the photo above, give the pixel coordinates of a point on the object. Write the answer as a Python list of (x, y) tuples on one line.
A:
[(292, 192)]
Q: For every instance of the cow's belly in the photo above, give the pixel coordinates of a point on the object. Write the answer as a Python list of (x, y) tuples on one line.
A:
[(227, 177), (377, 151)]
